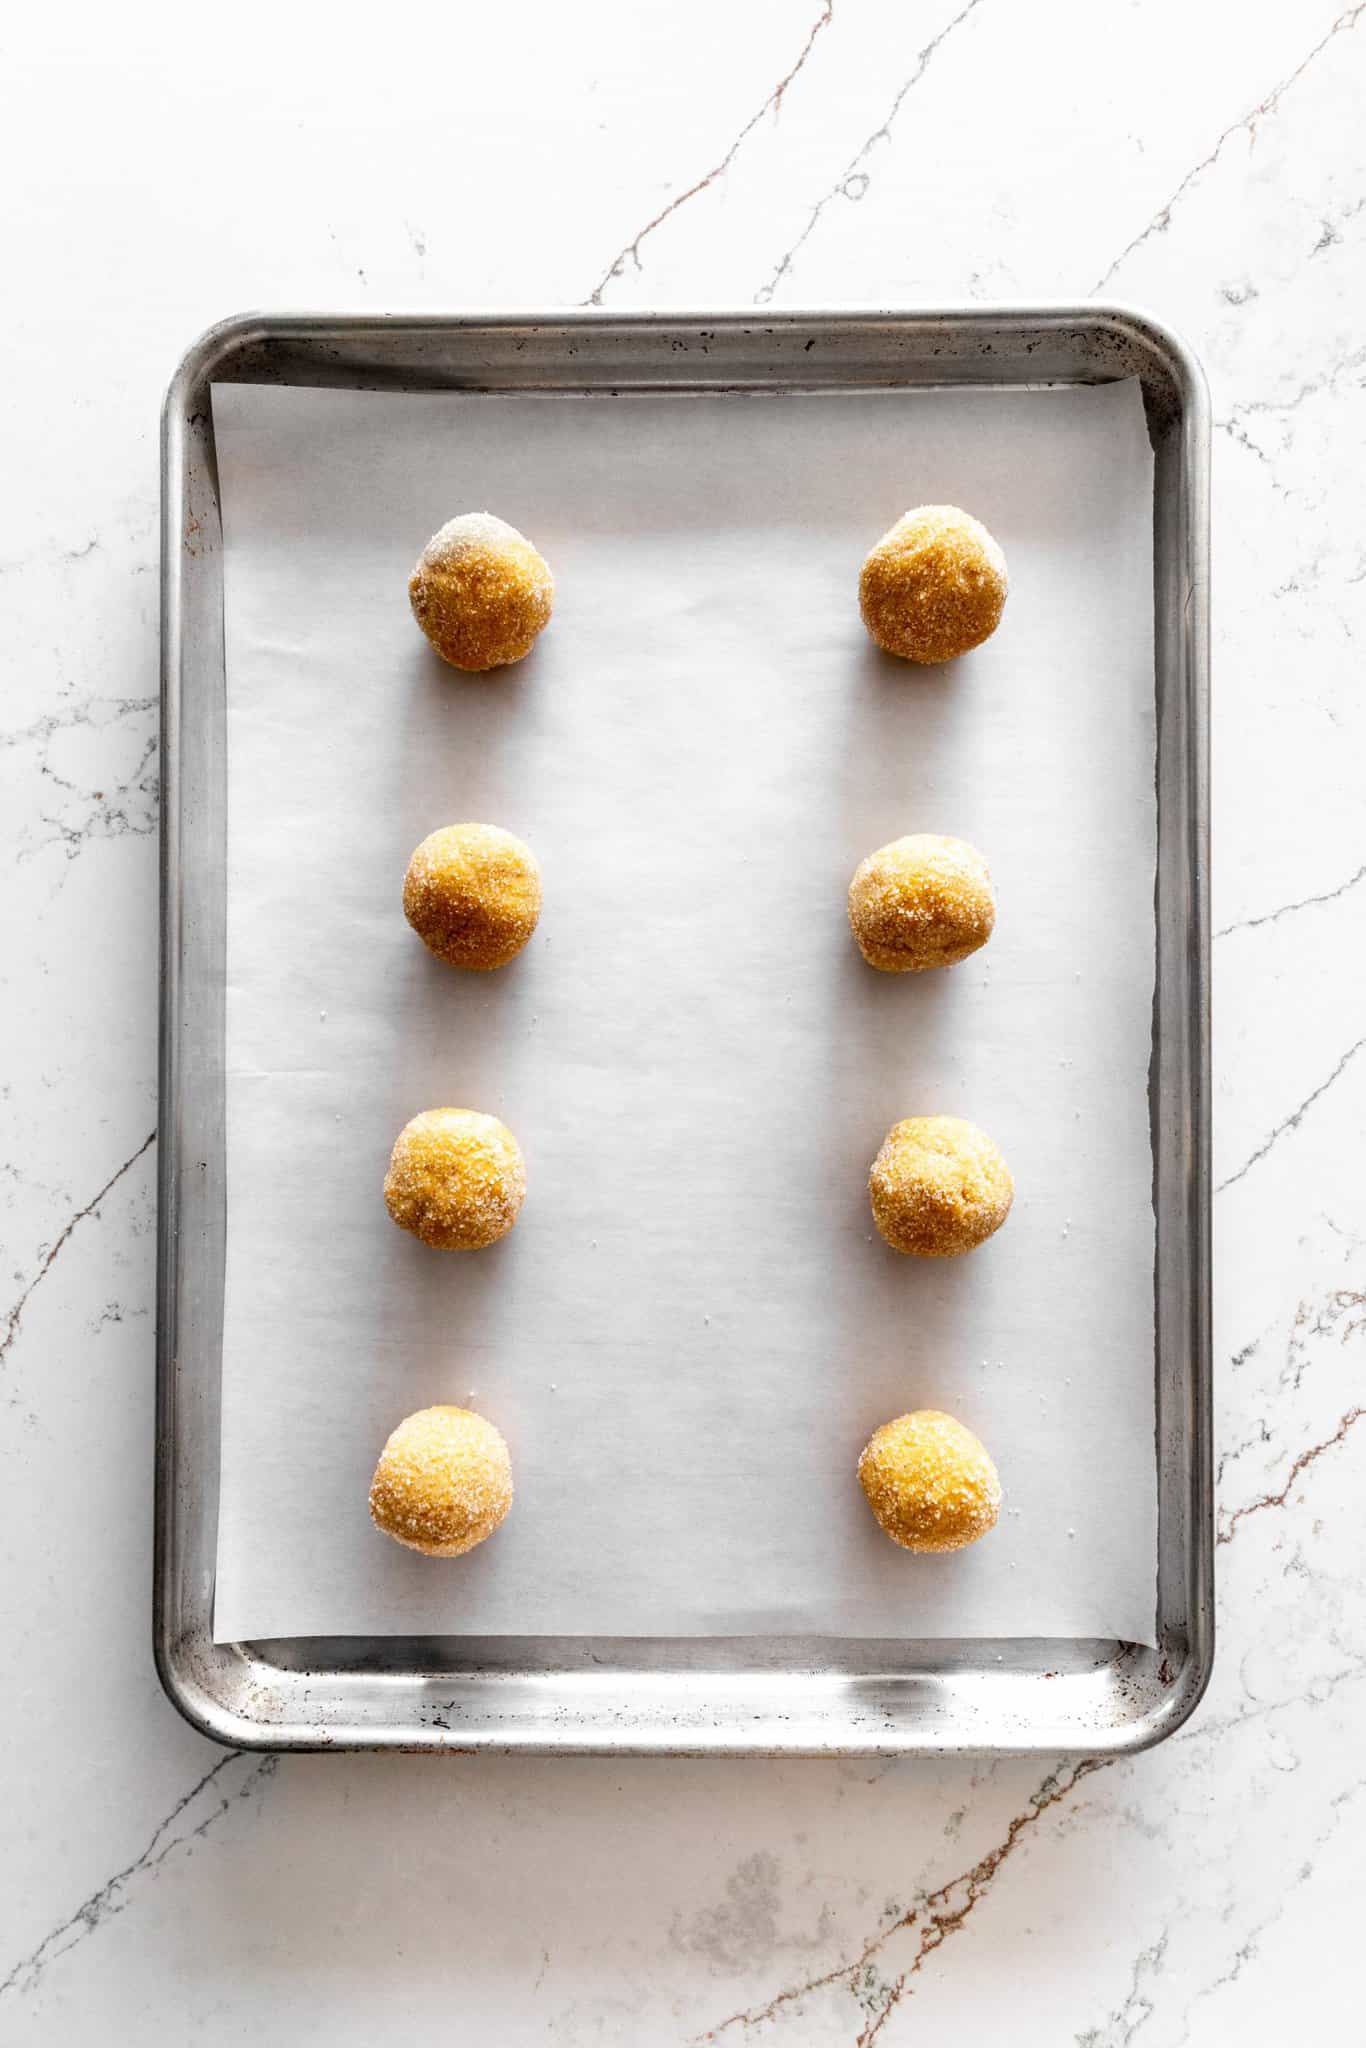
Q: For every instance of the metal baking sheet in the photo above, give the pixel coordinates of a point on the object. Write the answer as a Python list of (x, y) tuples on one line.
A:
[(685, 1694)]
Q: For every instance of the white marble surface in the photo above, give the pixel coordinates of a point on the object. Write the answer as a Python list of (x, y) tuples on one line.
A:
[(164, 168)]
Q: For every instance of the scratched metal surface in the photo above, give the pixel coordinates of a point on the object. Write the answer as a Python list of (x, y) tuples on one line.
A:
[(742, 1696)]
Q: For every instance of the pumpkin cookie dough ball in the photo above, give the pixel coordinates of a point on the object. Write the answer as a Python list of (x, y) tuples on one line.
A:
[(472, 894), (456, 1179), (920, 902), (934, 586), (938, 1187), (480, 592), (930, 1482), (443, 1482)]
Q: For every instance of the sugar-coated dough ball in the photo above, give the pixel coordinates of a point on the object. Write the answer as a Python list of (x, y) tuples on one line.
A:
[(456, 1179), (480, 592), (930, 1482), (938, 1187), (443, 1482), (922, 901), (472, 894), (934, 586)]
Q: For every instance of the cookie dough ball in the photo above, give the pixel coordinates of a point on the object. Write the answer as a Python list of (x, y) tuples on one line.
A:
[(480, 592), (930, 1482), (472, 894), (922, 901), (443, 1482), (938, 1187), (456, 1179), (934, 586)]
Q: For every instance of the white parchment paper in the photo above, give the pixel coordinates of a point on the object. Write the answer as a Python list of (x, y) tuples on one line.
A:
[(693, 1328)]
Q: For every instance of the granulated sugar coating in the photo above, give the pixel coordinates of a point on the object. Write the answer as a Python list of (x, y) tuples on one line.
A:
[(456, 1179), (922, 901), (443, 1482), (472, 894), (938, 1187), (480, 592), (934, 586), (929, 1482)]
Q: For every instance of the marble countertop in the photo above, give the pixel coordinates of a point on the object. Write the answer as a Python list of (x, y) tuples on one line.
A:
[(1193, 158)]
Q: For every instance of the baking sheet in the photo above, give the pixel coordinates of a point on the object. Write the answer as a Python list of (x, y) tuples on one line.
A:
[(693, 1328)]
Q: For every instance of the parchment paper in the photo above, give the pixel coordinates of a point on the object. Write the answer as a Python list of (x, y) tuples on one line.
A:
[(693, 1328)]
